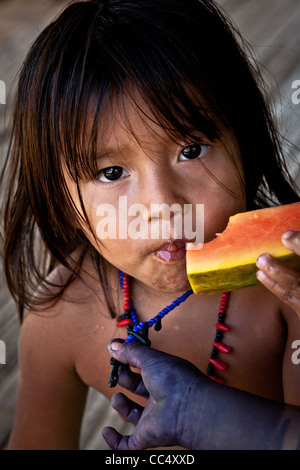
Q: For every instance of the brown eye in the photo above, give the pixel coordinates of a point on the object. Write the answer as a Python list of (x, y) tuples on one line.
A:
[(112, 173), (193, 151)]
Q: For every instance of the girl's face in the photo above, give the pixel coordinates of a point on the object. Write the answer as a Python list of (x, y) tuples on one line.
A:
[(144, 166)]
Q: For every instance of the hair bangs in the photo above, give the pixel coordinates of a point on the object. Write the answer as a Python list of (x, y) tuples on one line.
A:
[(119, 58)]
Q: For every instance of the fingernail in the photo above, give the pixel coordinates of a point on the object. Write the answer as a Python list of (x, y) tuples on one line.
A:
[(261, 276), (262, 261), (288, 234), (115, 344)]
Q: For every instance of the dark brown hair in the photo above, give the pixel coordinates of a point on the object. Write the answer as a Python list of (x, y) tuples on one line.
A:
[(94, 51)]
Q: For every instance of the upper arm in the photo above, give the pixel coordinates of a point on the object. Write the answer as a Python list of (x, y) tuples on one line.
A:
[(291, 368), (51, 397)]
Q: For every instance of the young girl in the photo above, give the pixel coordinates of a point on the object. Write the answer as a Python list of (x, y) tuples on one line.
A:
[(155, 102)]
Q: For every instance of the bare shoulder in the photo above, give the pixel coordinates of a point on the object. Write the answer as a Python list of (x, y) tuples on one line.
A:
[(291, 363), (63, 321), (258, 319), (259, 307), (55, 343), (279, 328), (80, 324)]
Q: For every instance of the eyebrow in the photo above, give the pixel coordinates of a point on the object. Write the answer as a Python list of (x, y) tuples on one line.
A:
[(113, 152), (110, 152), (117, 150)]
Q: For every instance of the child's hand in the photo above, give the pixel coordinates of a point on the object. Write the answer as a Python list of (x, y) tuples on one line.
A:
[(170, 384), (282, 281)]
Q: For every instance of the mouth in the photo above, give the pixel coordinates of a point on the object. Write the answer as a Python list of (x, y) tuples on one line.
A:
[(172, 251)]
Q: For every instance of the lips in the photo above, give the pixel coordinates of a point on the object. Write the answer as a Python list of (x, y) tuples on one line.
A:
[(174, 250)]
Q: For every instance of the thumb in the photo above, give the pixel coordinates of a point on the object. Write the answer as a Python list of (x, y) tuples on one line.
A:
[(135, 353)]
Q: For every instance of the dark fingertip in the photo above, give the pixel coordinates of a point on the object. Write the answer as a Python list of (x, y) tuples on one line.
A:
[(115, 344), (107, 430), (111, 436), (116, 340)]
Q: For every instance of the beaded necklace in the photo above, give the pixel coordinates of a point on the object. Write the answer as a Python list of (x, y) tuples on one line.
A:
[(138, 331)]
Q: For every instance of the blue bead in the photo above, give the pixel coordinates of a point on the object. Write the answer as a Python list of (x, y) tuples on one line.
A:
[(137, 327), (130, 339), (152, 321)]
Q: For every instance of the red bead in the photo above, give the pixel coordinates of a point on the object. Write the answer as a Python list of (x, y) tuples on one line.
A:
[(224, 302), (223, 347), (222, 327), (222, 366), (124, 322), (126, 297), (217, 379), (135, 369)]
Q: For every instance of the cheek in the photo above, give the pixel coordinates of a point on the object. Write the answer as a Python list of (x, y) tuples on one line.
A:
[(224, 196), (104, 222), (217, 216)]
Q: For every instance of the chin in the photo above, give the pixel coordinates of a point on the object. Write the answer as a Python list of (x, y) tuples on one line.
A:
[(171, 283)]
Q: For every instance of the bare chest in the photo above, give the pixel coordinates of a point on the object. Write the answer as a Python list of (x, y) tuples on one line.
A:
[(249, 353)]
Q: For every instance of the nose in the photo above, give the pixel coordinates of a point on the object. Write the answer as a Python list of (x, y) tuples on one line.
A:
[(163, 196), (163, 211), (160, 186)]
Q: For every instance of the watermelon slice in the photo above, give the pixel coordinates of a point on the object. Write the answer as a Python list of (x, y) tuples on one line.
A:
[(229, 261)]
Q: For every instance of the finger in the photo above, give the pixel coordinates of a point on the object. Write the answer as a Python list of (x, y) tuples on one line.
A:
[(112, 437), (291, 240), (283, 294), (287, 278), (134, 353), (133, 382), (116, 441), (127, 408), (286, 290)]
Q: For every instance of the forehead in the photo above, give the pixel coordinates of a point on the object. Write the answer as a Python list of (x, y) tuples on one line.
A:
[(129, 120), (130, 117), (117, 120)]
